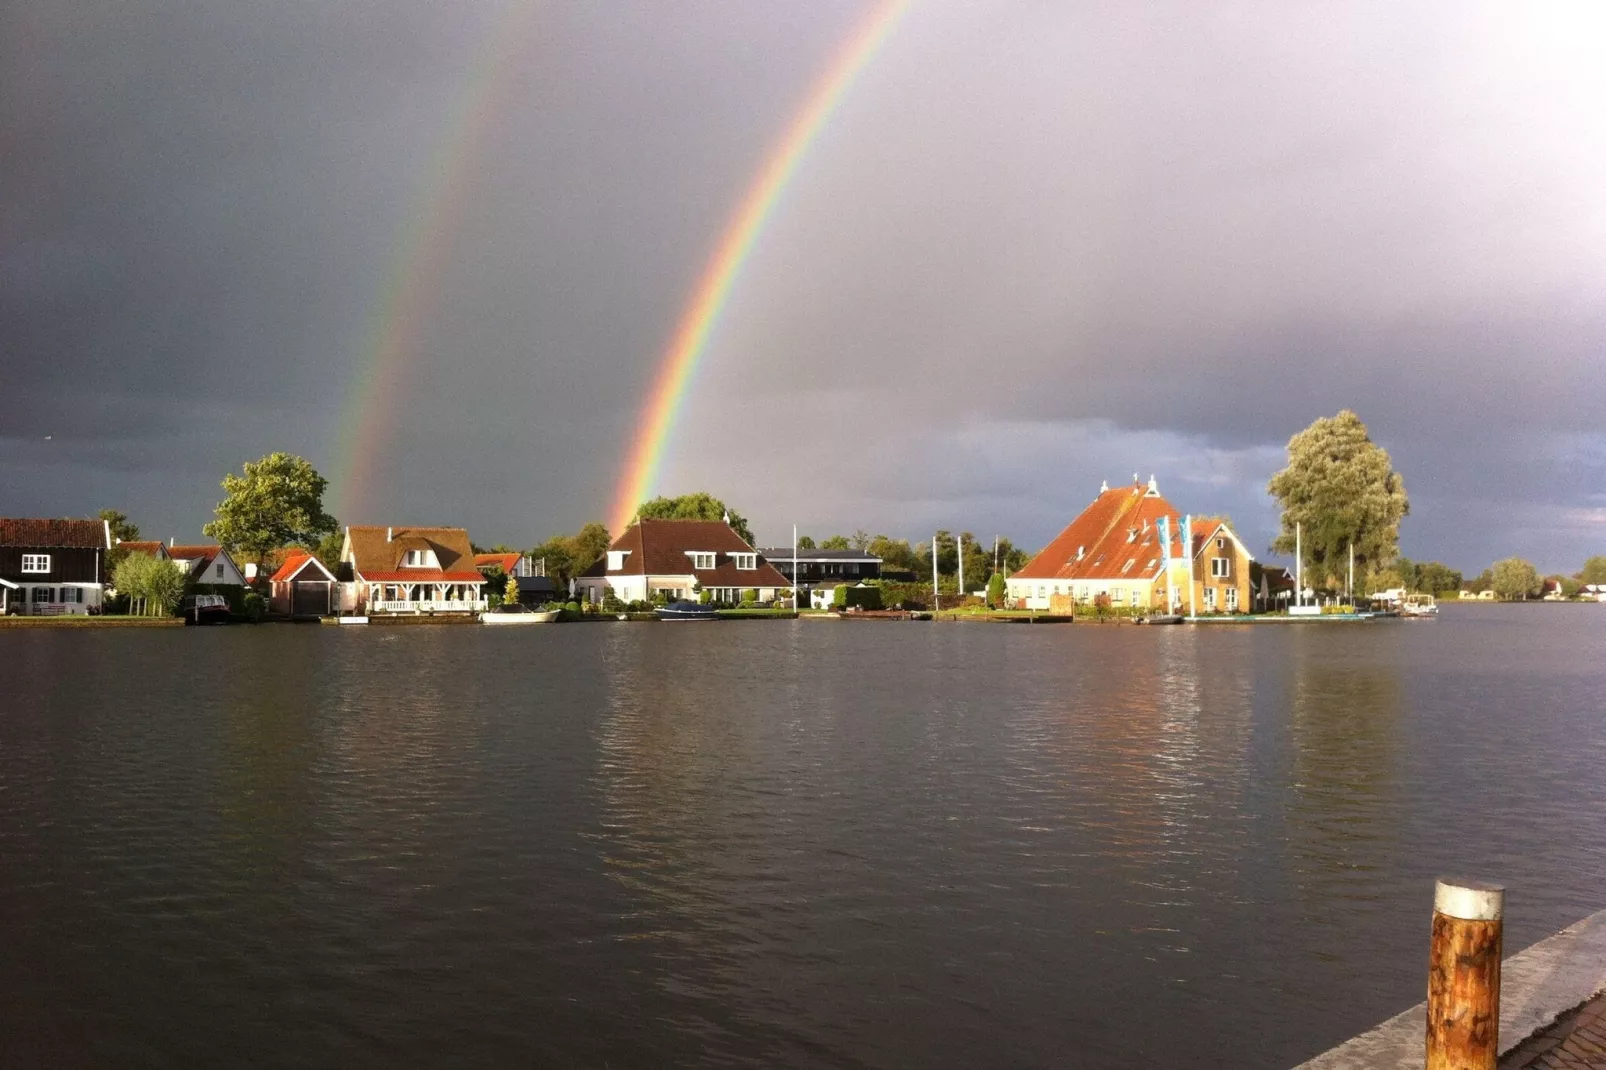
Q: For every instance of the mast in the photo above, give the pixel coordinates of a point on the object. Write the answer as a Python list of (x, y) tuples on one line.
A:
[(961, 577), (1299, 568), (936, 588), (795, 605)]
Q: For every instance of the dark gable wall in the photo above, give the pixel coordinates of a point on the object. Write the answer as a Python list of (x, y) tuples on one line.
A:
[(67, 565)]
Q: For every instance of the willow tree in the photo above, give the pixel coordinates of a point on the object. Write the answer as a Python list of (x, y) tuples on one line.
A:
[(1342, 491)]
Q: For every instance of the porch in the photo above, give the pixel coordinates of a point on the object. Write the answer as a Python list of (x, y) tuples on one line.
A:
[(422, 598), (427, 605)]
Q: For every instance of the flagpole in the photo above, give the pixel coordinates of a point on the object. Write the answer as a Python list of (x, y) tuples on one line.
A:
[(936, 587), (1299, 567), (1193, 595), (961, 576), (795, 605)]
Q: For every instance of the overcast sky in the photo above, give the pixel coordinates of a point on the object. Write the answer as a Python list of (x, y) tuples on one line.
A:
[(1039, 245)]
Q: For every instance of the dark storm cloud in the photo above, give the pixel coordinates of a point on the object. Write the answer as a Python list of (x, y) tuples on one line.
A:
[(1035, 247)]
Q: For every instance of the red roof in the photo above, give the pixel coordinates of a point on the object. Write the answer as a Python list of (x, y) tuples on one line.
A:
[(1116, 537), (661, 548), (506, 562), (75, 534), (155, 547), (297, 560), (193, 553), (379, 554)]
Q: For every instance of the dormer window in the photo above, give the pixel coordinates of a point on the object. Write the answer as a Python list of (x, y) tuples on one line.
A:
[(745, 561), (616, 559), (701, 558), (419, 559)]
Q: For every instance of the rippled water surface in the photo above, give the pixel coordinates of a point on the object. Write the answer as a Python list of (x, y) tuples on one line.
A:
[(774, 843)]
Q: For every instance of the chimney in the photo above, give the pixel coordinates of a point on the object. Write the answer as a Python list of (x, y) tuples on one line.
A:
[(170, 542), (1104, 486), (390, 534), (1154, 488)]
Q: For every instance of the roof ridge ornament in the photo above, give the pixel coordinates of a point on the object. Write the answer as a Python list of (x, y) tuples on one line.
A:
[(1104, 486)]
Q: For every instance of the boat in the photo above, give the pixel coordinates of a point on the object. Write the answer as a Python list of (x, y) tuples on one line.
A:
[(686, 611), (206, 609), (519, 615), (1161, 618), (1419, 605)]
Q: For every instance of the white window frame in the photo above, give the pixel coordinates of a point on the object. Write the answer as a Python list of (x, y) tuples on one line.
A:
[(219, 572), (1220, 568), (749, 562), (1232, 598), (1117, 594), (701, 558), (36, 563), (1210, 598), (410, 559)]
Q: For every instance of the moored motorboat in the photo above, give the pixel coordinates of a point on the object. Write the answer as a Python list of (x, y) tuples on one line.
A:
[(686, 611), (206, 609), (1161, 618), (1419, 605), (519, 615)]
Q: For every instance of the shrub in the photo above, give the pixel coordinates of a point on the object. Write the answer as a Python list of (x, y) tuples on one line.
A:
[(255, 607), (705, 596), (611, 602), (572, 607), (750, 595), (995, 590), (839, 597)]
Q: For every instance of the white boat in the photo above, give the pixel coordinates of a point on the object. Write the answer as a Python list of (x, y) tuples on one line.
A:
[(522, 616), (1418, 605)]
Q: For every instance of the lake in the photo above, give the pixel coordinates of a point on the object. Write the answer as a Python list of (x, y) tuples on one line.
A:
[(774, 843)]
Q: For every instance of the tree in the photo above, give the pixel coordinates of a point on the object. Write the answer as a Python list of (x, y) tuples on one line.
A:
[(510, 591), (274, 502), (894, 553), (1483, 581), (836, 542), (1342, 491), (122, 529), (804, 542), (698, 506), (995, 590), (1435, 577), (566, 556), (861, 540), (1594, 570), (1515, 578), (153, 587)]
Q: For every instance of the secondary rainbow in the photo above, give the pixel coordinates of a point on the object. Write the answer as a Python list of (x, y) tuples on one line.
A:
[(407, 295), (736, 244)]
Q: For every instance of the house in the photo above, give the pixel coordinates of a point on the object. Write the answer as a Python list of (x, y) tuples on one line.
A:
[(1593, 592), (677, 558), (530, 575), (302, 586), (207, 565), (820, 572), (53, 567), (1271, 587), (408, 570), (1127, 550)]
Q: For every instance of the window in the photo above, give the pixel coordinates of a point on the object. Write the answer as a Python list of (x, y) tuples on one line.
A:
[(36, 563), (1128, 566), (1040, 591), (219, 571), (1232, 598), (43, 594), (414, 559), (750, 561), (700, 559), (1117, 595), (1221, 567), (616, 559), (75, 595), (1210, 598), (1081, 593), (1221, 544)]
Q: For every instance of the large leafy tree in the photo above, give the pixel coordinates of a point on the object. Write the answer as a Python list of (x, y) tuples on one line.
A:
[(123, 529), (1436, 577), (567, 556), (1515, 578), (1594, 570), (1341, 490), (698, 506), (272, 503)]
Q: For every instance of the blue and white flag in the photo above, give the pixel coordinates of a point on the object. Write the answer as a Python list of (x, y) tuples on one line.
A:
[(1187, 537), (1164, 524)]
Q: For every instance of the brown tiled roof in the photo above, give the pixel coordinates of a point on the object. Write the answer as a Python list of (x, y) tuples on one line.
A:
[(506, 562), (201, 554), (155, 547), (295, 561), (659, 548), (77, 534), (1118, 537), (380, 551)]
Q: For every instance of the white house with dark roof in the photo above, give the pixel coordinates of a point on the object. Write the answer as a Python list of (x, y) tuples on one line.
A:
[(677, 558), (53, 567)]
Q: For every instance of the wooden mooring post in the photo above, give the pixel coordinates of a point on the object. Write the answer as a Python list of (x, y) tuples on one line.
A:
[(1464, 976)]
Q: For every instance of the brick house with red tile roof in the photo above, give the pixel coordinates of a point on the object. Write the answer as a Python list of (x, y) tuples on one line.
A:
[(53, 567), (677, 556), (410, 570), (1113, 551), (302, 586)]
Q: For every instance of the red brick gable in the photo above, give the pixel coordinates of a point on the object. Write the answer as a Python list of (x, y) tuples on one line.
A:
[(660, 548), (297, 561), (1118, 536)]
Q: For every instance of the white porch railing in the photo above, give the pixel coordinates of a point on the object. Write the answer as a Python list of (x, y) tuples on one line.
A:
[(428, 605)]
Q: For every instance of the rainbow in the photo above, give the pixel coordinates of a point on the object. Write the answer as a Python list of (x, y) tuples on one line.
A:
[(741, 234), (405, 298)]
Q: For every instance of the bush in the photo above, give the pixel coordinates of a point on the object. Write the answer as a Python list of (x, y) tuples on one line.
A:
[(846, 597), (839, 598), (705, 596), (611, 602), (995, 590), (572, 607), (255, 607), (750, 595)]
